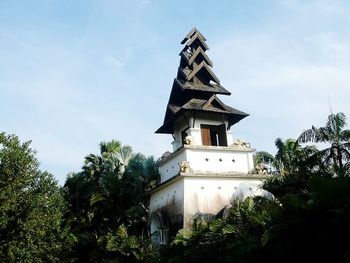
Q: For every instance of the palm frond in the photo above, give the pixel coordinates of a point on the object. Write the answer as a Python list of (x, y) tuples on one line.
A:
[(96, 197), (345, 136), (314, 135), (336, 121), (110, 146)]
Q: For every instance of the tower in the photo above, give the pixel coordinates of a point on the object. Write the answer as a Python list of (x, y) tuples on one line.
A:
[(206, 168)]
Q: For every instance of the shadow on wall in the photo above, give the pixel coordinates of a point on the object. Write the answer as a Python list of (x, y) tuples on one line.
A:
[(165, 222)]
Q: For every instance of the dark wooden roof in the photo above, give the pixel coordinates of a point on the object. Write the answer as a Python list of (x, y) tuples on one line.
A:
[(195, 86), (200, 52)]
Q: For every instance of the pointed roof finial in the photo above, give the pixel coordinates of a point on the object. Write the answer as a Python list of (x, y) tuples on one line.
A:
[(191, 33)]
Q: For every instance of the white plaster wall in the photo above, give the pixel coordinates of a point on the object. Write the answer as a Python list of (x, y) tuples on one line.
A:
[(168, 196), (195, 133), (250, 160), (208, 160), (209, 119), (229, 137), (171, 167), (210, 195)]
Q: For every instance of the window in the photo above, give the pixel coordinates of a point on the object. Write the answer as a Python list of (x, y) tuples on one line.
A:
[(213, 135)]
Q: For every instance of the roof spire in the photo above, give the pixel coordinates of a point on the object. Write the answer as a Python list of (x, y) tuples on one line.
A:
[(195, 86), (195, 65)]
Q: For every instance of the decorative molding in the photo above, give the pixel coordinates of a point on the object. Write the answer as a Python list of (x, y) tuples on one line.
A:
[(241, 145)]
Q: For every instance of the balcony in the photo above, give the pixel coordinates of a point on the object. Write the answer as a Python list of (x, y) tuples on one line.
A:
[(199, 159)]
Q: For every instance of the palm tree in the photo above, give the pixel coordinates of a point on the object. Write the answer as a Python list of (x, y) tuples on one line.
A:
[(116, 157), (109, 152), (109, 147), (286, 156), (334, 134), (123, 156), (290, 156)]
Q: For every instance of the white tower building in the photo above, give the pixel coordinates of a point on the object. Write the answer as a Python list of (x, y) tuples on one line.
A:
[(206, 169)]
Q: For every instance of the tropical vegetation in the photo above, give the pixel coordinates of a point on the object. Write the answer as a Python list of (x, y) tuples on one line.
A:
[(107, 205), (308, 220), (100, 214), (32, 208)]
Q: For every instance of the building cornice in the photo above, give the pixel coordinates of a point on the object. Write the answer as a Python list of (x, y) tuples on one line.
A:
[(207, 148), (227, 175)]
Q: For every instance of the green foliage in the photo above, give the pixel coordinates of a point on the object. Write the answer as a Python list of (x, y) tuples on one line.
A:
[(101, 213), (312, 221), (132, 248), (307, 221), (234, 238), (263, 157), (337, 155), (291, 157), (31, 207), (107, 202)]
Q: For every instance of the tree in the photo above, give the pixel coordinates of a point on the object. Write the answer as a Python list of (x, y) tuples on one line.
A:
[(333, 133), (107, 195), (311, 221), (291, 157), (263, 157), (31, 207), (235, 238), (124, 156)]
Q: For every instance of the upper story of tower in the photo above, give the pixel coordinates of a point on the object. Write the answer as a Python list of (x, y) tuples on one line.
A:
[(194, 111)]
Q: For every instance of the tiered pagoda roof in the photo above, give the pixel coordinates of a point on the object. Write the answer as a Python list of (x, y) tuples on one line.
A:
[(196, 86)]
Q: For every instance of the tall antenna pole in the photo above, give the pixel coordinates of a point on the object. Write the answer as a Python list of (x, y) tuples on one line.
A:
[(329, 102)]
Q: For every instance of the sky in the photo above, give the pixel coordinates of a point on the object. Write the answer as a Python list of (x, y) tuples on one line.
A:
[(75, 73)]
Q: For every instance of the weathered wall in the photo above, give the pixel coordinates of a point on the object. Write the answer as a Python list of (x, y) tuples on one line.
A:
[(171, 167), (169, 200), (208, 195)]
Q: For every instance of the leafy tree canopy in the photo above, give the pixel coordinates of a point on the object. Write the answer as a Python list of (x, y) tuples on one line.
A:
[(31, 207)]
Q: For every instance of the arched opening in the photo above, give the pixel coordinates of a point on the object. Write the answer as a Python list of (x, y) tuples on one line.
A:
[(158, 230)]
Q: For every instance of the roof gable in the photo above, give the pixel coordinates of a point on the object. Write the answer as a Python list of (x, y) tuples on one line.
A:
[(206, 69), (191, 33), (200, 52), (215, 103)]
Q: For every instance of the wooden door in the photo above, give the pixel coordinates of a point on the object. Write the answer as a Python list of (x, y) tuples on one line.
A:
[(205, 133)]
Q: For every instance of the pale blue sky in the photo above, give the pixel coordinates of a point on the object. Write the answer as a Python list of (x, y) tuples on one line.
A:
[(75, 73)]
